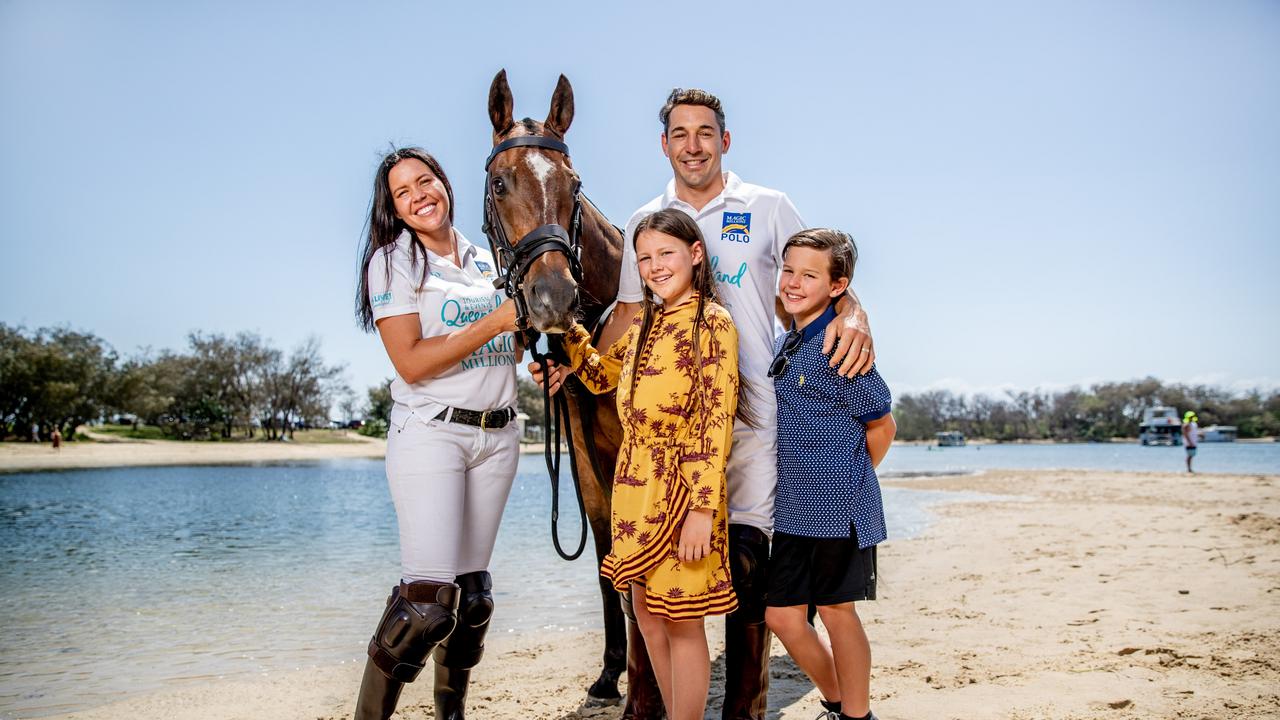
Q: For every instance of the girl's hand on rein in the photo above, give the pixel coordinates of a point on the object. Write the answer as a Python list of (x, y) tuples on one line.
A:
[(556, 373), (695, 537)]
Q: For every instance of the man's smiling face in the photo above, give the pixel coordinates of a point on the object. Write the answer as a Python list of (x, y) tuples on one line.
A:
[(694, 143)]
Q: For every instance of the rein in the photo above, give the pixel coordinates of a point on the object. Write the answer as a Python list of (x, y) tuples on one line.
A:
[(514, 260)]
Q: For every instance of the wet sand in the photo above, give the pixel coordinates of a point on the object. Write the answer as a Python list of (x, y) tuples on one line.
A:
[(1066, 595)]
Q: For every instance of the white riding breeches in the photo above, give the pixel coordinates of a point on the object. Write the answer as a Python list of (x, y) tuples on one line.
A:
[(449, 483)]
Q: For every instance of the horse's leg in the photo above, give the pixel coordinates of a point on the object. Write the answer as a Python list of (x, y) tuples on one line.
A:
[(644, 699), (595, 497)]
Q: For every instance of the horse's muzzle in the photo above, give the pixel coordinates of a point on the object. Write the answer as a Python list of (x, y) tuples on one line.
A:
[(551, 305)]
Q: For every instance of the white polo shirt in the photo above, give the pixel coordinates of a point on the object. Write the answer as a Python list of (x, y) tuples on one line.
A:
[(746, 228), (451, 298)]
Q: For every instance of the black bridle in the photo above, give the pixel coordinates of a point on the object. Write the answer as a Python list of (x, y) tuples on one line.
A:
[(514, 261)]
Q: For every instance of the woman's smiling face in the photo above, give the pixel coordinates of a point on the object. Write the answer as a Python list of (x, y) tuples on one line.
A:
[(420, 197)]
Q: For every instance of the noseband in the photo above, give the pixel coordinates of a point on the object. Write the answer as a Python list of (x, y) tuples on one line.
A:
[(514, 259)]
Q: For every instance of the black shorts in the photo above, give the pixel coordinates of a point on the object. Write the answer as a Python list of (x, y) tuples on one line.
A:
[(820, 571)]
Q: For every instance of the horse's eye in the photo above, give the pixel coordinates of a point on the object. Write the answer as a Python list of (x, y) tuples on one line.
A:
[(499, 187)]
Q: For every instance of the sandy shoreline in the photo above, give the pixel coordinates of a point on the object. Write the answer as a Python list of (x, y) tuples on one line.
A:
[(115, 452), (1067, 595), (27, 457)]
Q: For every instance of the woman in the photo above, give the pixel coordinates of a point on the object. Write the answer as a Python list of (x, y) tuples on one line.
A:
[(452, 445)]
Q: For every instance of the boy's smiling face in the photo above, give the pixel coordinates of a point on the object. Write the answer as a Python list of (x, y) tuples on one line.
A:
[(806, 287)]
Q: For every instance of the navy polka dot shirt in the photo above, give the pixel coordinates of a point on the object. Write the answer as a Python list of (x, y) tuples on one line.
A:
[(825, 477)]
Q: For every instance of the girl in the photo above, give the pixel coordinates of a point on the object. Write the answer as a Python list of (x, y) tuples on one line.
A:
[(676, 373), (451, 445)]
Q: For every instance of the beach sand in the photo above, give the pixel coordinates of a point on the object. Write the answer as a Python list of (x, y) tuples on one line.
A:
[(107, 451), (1069, 595)]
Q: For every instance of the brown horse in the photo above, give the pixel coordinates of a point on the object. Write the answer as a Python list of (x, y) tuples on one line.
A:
[(533, 186)]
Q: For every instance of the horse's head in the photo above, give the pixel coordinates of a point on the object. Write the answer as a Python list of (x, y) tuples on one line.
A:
[(531, 187)]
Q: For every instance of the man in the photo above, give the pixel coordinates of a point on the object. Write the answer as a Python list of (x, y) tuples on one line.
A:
[(1190, 435), (746, 228)]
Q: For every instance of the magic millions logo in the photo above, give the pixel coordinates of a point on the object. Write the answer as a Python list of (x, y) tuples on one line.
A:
[(736, 227)]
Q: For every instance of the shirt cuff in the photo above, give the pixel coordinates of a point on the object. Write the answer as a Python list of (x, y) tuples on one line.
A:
[(393, 310), (874, 415)]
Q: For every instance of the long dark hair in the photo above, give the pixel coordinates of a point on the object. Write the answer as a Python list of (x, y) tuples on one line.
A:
[(384, 226), (682, 227)]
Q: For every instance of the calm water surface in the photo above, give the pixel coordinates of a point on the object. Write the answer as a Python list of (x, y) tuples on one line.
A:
[(123, 581)]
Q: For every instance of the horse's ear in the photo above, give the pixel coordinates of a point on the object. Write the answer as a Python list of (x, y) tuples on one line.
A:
[(561, 108), (500, 104)]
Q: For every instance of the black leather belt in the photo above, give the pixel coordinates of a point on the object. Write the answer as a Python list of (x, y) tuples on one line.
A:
[(485, 420)]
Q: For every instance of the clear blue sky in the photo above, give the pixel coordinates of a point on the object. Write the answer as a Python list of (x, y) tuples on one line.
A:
[(1043, 194)]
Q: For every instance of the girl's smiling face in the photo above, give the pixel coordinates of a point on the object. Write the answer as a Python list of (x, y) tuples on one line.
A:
[(666, 265)]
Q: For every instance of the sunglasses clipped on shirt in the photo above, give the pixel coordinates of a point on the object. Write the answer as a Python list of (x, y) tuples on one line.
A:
[(780, 361)]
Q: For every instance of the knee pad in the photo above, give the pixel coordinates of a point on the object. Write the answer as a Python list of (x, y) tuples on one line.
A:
[(464, 648), (476, 604), (749, 567), (419, 615)]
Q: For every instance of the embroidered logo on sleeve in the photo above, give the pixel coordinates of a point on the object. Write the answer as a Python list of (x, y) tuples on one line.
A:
[(736, 227), (381, 300)]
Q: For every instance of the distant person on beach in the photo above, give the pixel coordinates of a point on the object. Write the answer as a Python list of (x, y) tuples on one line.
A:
[(676, 376), (832, 432), (1190, 435), (35, 433), (56, 437), (745, 227), (452, 445)]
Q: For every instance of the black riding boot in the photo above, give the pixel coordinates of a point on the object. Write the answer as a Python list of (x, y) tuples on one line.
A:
[(462, 650), (418, 616), (747, 638), (644, 699)]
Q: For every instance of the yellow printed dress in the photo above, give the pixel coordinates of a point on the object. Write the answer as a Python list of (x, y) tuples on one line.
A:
[(677, 428)]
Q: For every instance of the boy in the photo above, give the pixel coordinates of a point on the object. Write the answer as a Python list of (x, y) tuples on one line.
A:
[(832, 432)]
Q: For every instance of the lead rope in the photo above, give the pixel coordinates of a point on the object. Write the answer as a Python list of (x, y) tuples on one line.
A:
[(551, 449)]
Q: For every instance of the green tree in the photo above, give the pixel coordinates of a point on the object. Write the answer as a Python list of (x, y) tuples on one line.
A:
[(299, 390), (54, 378), (529, 400), (377, 410)]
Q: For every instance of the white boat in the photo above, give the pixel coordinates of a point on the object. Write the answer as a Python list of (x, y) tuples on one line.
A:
[(950, 438), (1219, 433), (1160, 426)]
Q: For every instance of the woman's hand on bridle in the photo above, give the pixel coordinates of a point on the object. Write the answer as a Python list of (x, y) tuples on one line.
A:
[(504, 318)]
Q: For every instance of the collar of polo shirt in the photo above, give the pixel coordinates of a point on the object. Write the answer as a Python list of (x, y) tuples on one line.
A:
[(732, 186), (818, 325), (466, 251)]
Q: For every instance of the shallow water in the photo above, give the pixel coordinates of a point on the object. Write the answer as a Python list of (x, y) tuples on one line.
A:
[(122, 581)]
